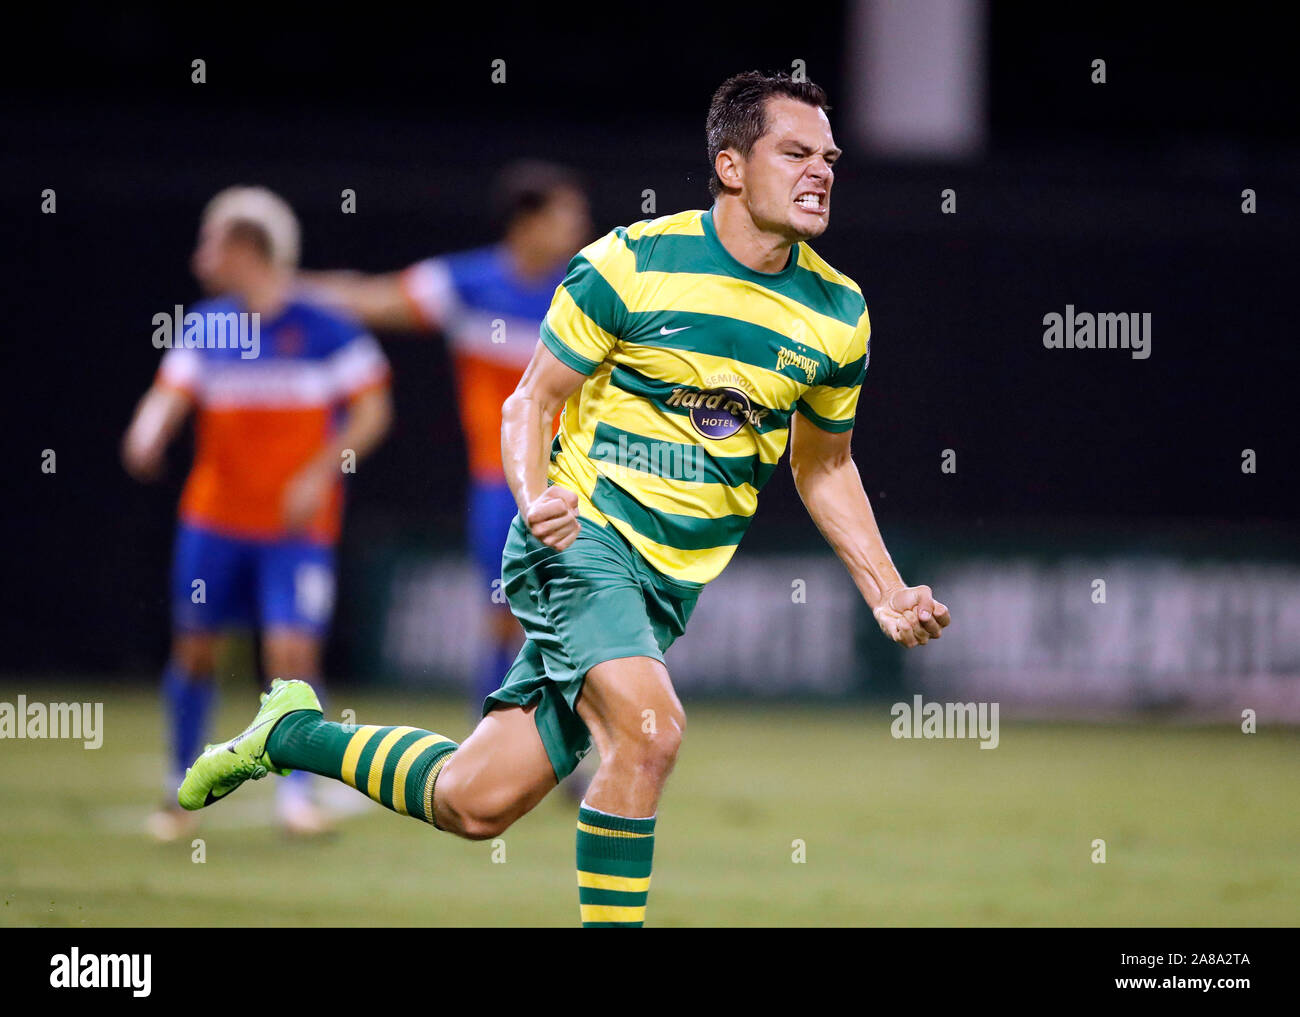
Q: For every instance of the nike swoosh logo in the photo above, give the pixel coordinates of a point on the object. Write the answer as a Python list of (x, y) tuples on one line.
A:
[(665, 330), (214, 798), (231, 746)]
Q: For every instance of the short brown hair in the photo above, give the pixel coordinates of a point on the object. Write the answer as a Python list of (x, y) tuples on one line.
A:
[(738, 113)]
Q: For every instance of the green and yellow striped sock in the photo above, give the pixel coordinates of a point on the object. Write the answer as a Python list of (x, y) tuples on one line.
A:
[(395, 766), (614, 859)]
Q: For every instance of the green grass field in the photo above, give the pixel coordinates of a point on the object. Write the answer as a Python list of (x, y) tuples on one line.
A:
[(1201, 827)]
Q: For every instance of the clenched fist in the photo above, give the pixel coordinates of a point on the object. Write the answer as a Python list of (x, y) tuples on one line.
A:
[(911, 616), (553, 517)]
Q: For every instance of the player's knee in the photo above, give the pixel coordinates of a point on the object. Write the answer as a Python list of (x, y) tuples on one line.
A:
[(664, 736), (474, 812), (487, 815), (478, 827), (649, 754)]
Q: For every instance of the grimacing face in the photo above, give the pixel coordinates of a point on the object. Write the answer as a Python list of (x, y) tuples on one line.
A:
[(787, 178)]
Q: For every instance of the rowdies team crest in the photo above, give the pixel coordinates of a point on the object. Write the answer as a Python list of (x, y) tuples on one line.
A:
[(718, 412)]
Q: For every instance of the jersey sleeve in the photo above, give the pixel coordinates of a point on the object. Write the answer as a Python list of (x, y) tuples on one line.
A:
[(430, 291), (833, 404), (588, 313), (180, 369), (357, 366)]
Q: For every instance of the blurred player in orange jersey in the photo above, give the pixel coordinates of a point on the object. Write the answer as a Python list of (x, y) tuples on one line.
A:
[(489, 303), (280, 416)]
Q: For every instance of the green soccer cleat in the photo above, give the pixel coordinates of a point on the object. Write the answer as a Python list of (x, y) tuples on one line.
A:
[(222, 768)]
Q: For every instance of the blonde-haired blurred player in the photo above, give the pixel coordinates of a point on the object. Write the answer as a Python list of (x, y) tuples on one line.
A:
[(260, 514)]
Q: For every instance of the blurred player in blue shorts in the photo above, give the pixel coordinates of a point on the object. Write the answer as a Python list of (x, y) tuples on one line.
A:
[(288, 395), (488, 303)]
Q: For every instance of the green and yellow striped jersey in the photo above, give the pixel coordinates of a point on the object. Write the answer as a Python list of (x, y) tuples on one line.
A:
[(695, 364)]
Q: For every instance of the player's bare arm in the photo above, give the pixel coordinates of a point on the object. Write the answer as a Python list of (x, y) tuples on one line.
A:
[(550, 512), (368, 421), (378, 300), (829, 484), (158, 417)]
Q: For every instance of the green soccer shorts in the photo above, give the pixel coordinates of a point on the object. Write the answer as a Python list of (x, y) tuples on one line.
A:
[(596, 600)]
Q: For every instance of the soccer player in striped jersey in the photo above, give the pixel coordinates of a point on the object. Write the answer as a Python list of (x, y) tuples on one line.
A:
[(686, 353), (278, 422), (488, 303)]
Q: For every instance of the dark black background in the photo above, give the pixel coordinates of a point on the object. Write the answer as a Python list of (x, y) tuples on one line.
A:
[(1117, 197)]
